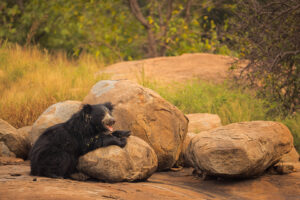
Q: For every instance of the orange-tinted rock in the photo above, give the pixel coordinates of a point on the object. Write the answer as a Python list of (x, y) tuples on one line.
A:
[(24, 132), (203, 122), (186, 160), (292, 156), (55, 114), (240, 149), (16, 183), (146, 114), (205, 66), (11, 142), (136, 161)]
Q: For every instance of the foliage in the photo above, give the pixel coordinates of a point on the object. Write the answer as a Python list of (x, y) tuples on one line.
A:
[(267, 32), (176, 27), (293, 123), (32, 80), (109, 31), (232, 105)]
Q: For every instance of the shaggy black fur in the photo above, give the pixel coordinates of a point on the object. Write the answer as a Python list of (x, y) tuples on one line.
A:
[(56, 152)]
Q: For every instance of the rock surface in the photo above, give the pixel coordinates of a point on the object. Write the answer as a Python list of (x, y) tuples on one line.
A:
[(292, 156), (136, 161), (4, 151), (209, 67), (146, 114), (55, 114), (15, 183), (244, 149), (10, 160), (203, 122), (24, 132), (11, 142), (186, 158)]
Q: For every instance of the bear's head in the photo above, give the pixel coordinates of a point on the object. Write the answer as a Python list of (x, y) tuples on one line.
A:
[(99, 116)]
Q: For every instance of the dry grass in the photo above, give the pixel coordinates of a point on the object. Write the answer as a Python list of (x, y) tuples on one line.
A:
[(31, 80)]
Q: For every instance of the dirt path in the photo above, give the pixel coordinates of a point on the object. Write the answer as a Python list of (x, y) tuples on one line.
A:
[(15, 183), (209, 67)]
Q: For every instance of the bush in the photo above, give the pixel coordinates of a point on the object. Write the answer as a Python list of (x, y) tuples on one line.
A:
[(267, 35)]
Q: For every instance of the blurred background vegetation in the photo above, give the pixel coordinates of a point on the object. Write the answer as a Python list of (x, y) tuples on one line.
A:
[(110, 30), (51, 50)]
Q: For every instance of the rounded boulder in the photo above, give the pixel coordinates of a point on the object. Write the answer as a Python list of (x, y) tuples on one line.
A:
[(146, 114), (240, 150), (55, 114), (135, 162), (12, 143)]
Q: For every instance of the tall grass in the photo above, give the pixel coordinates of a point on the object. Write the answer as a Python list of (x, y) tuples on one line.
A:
[(231, 104), (31, 80)]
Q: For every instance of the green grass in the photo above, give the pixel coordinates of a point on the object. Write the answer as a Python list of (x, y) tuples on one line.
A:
[(31, 80), (293, 123), (231, 104)]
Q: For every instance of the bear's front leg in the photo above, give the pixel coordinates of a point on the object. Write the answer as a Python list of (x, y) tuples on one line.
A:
[(112, 140), (108, 140), (121, 134)]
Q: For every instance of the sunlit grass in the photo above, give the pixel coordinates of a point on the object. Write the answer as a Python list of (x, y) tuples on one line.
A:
[(31, 80), (231, 104)]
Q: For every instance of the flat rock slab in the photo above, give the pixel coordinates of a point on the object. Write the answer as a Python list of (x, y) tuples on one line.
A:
[(209, 67), (15, 183)]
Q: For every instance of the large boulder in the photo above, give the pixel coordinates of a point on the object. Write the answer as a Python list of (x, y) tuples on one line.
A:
[(136, 161), (204, 66), (146, 114), (12, 144), (55, 114), (198, 122), (202, 122), (241, 149)]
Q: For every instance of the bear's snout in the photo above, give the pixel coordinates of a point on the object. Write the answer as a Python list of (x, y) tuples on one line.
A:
[(108, 120)]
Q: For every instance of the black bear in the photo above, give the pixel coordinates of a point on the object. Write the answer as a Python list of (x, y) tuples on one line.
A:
[(56, 151)]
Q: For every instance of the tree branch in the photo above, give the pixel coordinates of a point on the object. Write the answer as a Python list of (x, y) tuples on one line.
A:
[(136, 10), (188, 10)]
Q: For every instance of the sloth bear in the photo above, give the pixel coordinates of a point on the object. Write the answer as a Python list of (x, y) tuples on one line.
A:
[(55, 154)]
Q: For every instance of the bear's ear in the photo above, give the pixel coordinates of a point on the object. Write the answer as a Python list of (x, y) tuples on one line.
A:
[(87, 109), (109, 106)]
